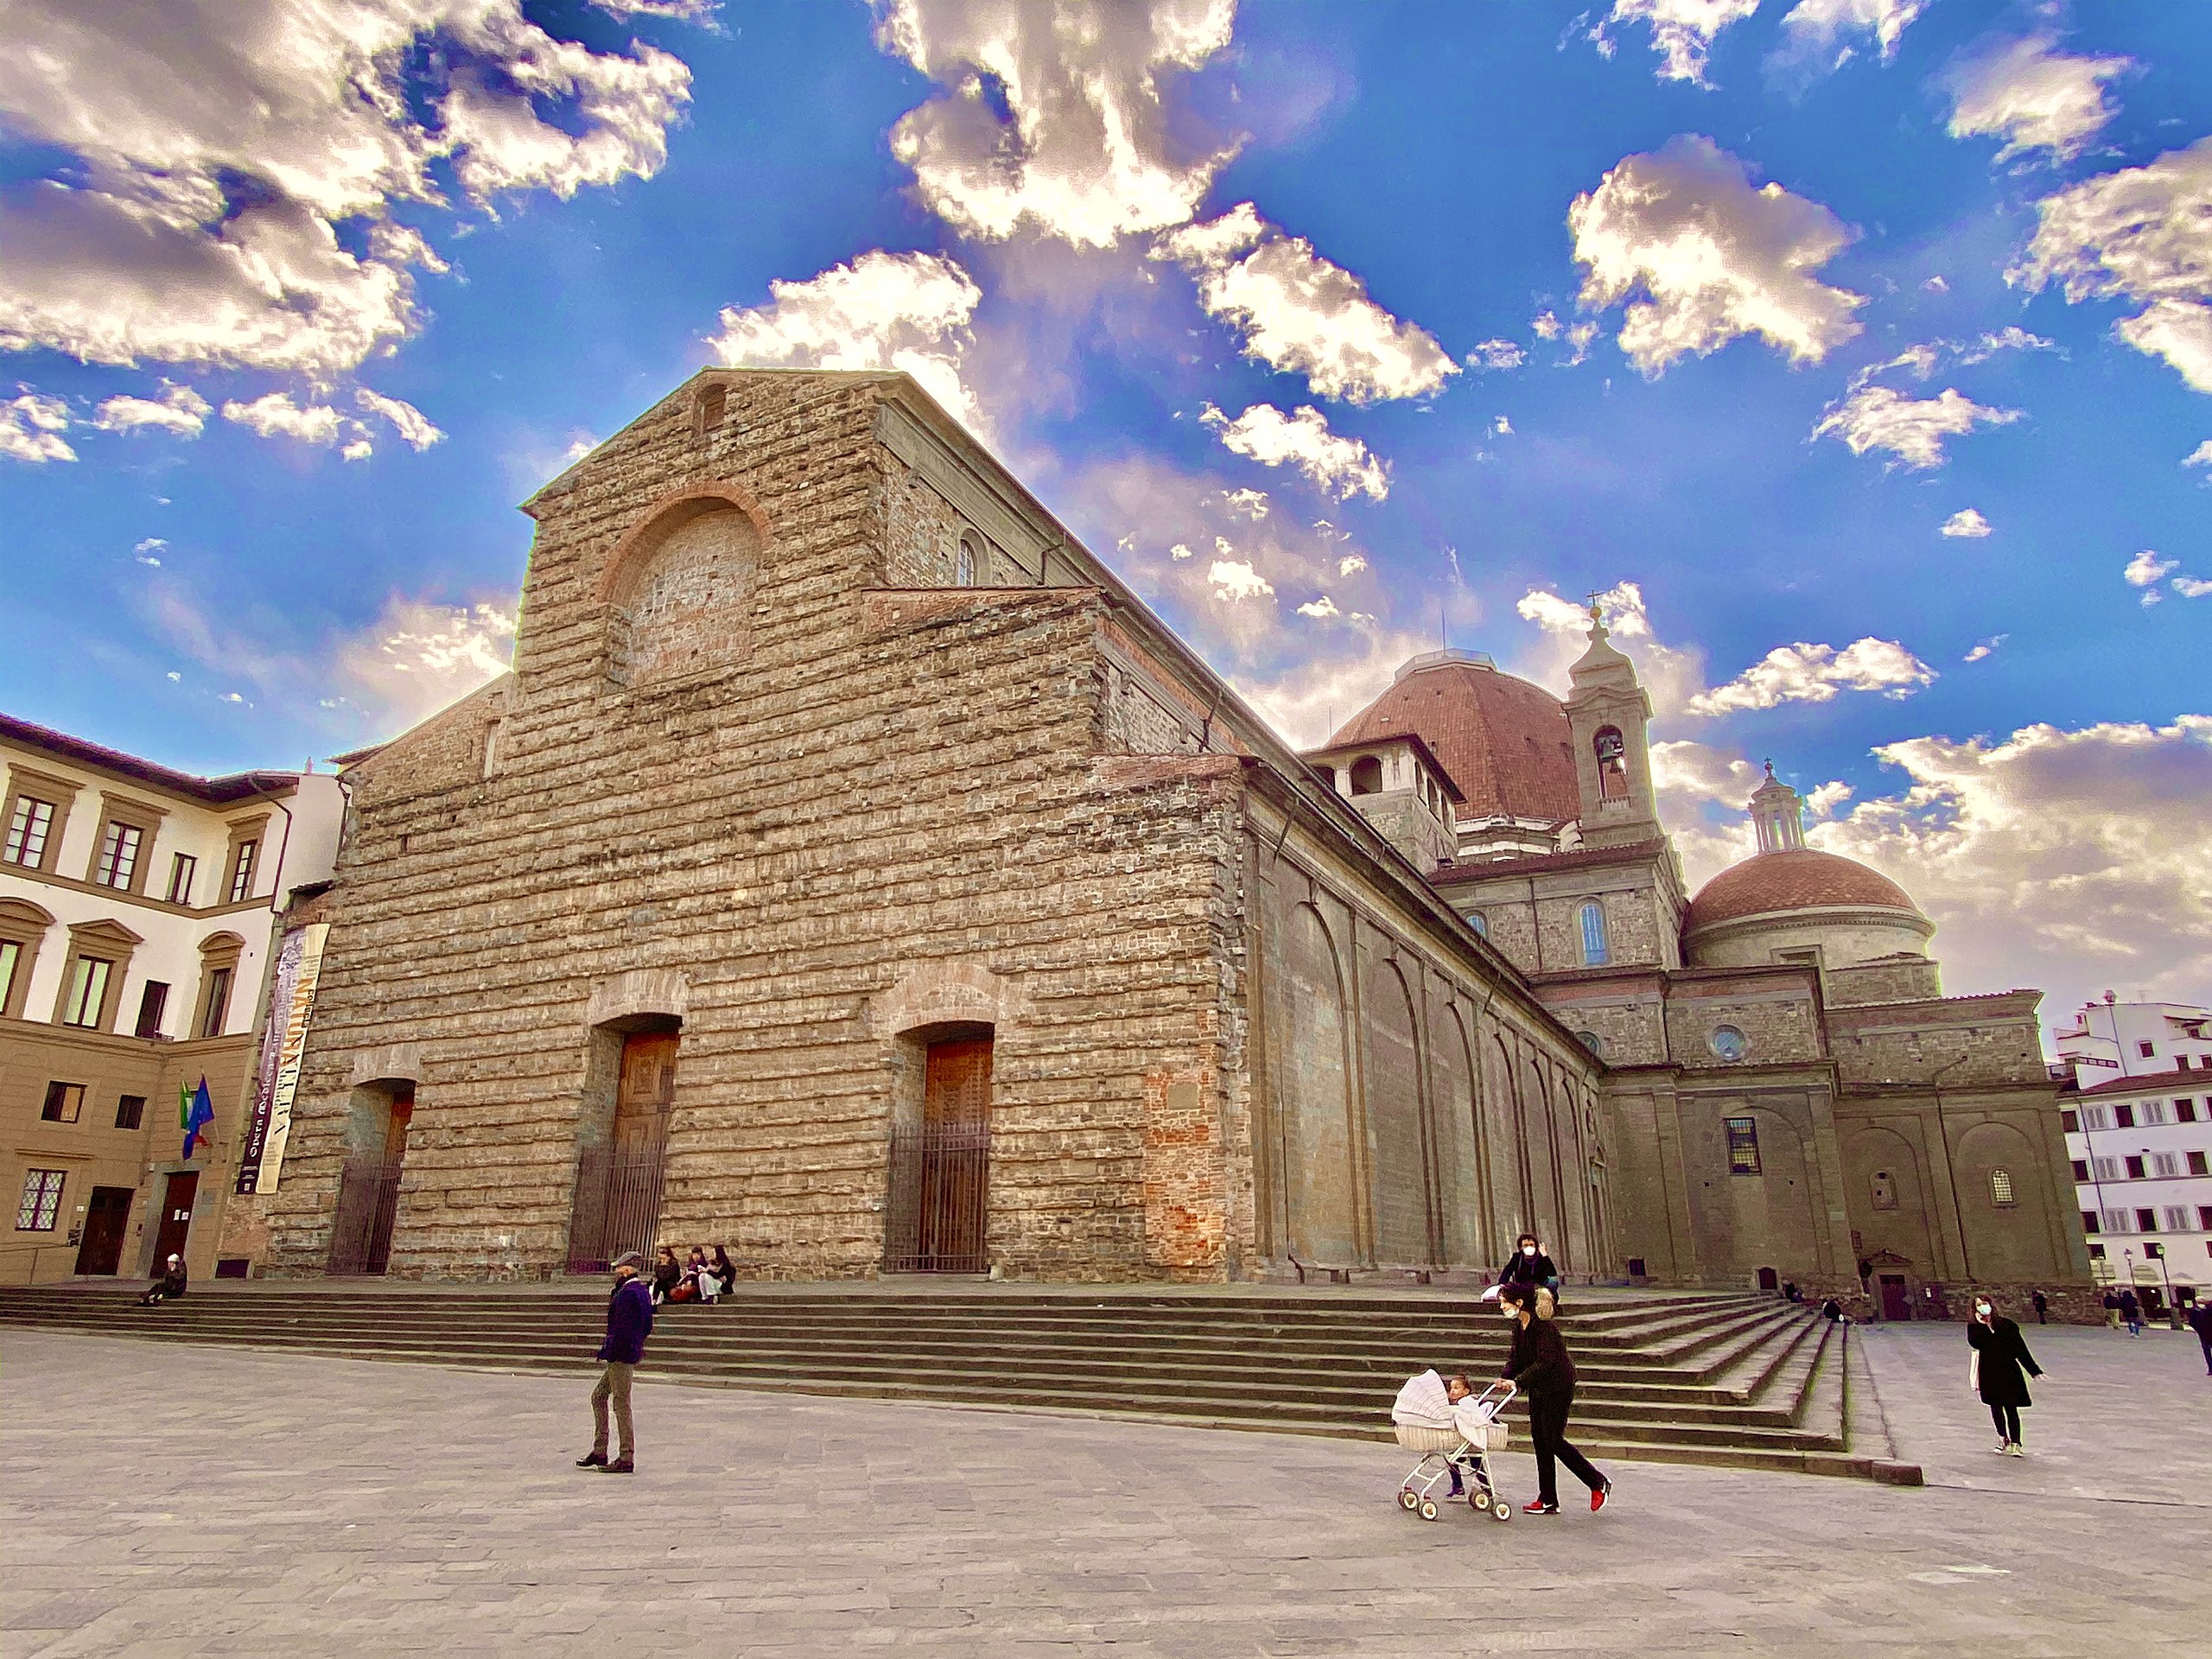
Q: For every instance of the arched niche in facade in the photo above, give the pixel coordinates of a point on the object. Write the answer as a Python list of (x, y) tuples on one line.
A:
[(1319, 1195), (1392, 1078), (678, 588), (1459, 1142)]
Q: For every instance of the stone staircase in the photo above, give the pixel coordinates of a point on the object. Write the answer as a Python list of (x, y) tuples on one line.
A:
[(1717, 1378)]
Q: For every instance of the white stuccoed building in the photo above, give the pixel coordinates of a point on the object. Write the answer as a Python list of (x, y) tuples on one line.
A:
[(2139, 1130)]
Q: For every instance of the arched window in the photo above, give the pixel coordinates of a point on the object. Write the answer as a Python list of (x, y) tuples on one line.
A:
[(707, 413), (1612, 764), (2000, 1187), (968, 562), (1480, 922), (1367, 776), (1592, 1041), (1596, 952)]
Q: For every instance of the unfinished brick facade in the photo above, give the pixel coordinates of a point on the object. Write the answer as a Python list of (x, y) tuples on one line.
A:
[(825, 744)]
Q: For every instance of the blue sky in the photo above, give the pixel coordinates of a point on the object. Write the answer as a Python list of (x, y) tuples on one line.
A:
[(1725, 310)]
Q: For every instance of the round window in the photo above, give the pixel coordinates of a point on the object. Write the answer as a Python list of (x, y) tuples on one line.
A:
[(1592, 1041), (1729, 1043)]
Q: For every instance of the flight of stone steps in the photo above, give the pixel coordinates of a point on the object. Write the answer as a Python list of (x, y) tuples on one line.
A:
[(1690, 1376)]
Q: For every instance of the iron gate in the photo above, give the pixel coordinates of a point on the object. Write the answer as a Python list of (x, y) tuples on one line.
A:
[(617, 1202), (368, 1203), (939, 1179)]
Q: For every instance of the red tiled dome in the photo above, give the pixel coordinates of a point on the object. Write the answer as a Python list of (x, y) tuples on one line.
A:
[(1799, 879), (1504, 741)]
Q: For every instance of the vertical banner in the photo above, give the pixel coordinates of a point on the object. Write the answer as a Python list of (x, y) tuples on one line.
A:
[(291, 997)]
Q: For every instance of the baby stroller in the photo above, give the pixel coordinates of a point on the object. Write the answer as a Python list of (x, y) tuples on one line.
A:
[(1451, 1438)]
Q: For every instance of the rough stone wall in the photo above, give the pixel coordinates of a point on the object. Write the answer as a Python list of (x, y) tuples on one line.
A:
[(887, 783), (1964, 1042), (1627, 1016), (1780, 1019), (1399, 816), (1509, 923), (1891, 979)]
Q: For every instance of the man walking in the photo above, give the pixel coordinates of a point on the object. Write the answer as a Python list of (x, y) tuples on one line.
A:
[(629, 1322), (2130, 1312), (2200, 1321), (2043, 1308)]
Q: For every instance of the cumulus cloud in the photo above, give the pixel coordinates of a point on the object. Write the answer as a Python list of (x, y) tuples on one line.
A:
[(1810, 673), (2064, 859), (1339, 467), (1236, 579), (150, 551), (1987, 648), (1911, 428), (31, 425), (1682, 31), (274, 415), (1301, 314), (419, 656), (1496, 354), (1703, 255), (1054, 120), (1823, 34), (179, 409), (1967, 522), (1621, 607), (410, 423), (908, 311), (2032, 97), (1671, 674), (2200, 456), (1320, 609), (2142, 233), (1548, 327), (2146, 569), (2191, 588), (226, 193), (1250, 504)]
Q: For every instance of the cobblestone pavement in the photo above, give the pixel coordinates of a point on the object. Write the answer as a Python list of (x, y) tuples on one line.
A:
[(159, 1499)]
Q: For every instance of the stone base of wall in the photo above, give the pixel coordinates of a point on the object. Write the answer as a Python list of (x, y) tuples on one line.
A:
[(2068, 1305)]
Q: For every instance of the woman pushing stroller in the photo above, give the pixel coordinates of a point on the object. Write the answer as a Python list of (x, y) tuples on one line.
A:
[(1538, 1365)]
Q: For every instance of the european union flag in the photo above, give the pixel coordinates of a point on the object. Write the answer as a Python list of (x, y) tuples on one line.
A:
[(198, 1114)]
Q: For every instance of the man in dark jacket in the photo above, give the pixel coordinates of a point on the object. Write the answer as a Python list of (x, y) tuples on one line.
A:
[(629, 1322), (2130, 1312), (1540, 1367), (2200, 1321)]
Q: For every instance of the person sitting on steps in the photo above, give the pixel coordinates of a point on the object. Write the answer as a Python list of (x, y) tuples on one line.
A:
[(168, 1286), (1529, 1265)]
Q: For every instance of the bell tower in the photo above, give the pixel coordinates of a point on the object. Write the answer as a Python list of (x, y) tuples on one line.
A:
[(1607, 712)]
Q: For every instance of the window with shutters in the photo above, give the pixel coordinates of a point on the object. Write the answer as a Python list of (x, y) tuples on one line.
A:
[(2107, 1169), (2177, 1218), (2165, 1165), (2119, 1221), (65, 1102)]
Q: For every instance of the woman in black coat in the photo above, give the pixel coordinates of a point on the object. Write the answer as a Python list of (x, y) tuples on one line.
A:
[(2000, 1357), (1529, 1266), (1539, 1366)]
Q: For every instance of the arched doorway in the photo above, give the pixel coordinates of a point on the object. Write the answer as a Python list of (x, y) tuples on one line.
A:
[(936, 1212), (368, 1187), (622, 1155)]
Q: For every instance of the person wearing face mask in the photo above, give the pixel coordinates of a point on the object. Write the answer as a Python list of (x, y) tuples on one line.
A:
[(1538, 1365), (1529, 1266), (2001, 1367)]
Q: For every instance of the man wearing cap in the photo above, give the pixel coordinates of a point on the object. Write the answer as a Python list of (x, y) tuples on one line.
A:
[(629, 1322)]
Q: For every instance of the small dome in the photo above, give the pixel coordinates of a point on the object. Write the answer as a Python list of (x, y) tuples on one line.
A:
[(1505, 742), (1800, 879)]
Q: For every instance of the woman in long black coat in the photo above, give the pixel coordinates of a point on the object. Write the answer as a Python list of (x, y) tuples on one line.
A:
[(2002, 1367)]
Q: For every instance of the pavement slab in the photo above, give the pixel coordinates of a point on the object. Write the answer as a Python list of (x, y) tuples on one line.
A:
[(160, 1499)]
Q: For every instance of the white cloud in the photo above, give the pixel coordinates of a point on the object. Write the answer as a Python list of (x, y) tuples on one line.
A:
[(1339, 467), (31, 425), (2190, 588), (1300, 314), (410, 423), (419, 655), (1822, 34), (1496, 354), (1936, 285), (1236, 579), (1501, 428), (359, 450), (274, 415), (2142, 233), (1180, 551), (216, 148), (1987, 648), (2011, 338), (150, 550), (1621, 606), (1810, 673), (1087, 150), (2146, 567), (1320, 609), (2068, 860), (1968, 522), (1912, 428), (1682, 31), (1250, 503), (179, 409), (2032, 97), (1548, 327), (908, 311), (1351, 564), (2200, 456), (1704, 256)]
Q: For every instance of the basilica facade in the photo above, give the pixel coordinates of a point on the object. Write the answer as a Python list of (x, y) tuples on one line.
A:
[(853, 871)]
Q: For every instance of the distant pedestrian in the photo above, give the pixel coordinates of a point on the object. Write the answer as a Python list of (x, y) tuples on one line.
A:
[(1540, 1367), (668, 1273), (725, 1269), (168, 1286), (1791, 1292), (2131, 1312), (629, 1322), (1832, 1310), (2112, 1311), (2042, 1306), (2200, 1321), (2000, 1356)]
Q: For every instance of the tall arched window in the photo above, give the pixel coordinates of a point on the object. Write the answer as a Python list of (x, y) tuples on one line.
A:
[(1367, 776), (1595, 951), (968, 560), (1480, 922)]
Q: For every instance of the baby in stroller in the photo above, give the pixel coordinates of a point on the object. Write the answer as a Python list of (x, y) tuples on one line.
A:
[(1454, 1429)]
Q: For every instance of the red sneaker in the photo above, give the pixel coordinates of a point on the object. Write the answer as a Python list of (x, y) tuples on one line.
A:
[(1598, 1496), (1537, 1506)]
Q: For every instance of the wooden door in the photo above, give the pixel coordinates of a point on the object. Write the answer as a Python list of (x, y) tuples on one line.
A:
[(1897, 1301), (951, 1171), (176, 1218), (646, 1093), (106, 1216)]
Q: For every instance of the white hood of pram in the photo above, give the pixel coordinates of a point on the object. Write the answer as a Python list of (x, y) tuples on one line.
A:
[(1424, 1402)]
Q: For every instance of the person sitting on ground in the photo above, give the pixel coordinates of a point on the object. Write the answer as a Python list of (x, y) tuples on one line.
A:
[(168, 1286), (703, 1275), (725, 1269), (668, 1273), (1529, 1266), (1833, 1311)]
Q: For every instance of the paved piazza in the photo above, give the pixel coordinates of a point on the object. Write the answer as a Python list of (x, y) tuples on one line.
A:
[(159, 1499)]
